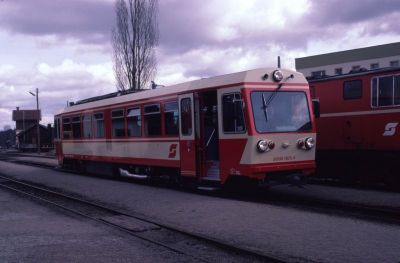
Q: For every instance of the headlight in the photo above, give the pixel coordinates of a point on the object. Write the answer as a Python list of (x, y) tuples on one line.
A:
[(262, 146), (306, 144), (277, 75), (309, 143), (265, 145)]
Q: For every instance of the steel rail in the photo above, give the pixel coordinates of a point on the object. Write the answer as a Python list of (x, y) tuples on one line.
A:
[(214, 242)]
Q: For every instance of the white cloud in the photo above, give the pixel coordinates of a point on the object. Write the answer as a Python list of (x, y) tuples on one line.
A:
[(57, 84)]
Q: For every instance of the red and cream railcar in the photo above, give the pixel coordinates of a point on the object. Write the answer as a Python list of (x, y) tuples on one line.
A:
[(358, 131), (256, 124)]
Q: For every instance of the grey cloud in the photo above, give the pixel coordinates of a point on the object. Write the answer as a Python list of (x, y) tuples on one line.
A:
[(88, 21), (347, 12)]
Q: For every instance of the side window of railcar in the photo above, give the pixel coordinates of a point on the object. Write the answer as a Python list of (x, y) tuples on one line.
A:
[(152, 120), (385, 91), (186, 116), (56, 128), (171, 118), (232, 113), (352, 89), (76, 127), (118, 123), (87, 125), (67, 132), (98, 126), (134, 120)]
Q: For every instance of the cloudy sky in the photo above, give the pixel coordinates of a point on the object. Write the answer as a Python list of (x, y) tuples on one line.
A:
[(63, 47)]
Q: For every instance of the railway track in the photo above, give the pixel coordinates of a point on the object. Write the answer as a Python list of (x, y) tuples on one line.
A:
[(366, 212), (198, 248)]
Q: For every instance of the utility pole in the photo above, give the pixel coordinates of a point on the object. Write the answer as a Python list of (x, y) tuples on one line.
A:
[(38, 125)]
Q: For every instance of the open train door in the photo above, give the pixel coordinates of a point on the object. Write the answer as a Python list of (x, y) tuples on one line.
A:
[(187, 145)]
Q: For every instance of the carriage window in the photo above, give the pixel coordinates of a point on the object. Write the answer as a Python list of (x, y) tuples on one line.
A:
[(67, 132), (57, 128), (87, 125), (118, 123), (186, 116), (233, 116), (152, 120), (287, 111), (134, 122), (76, 127), (385, 91), (98, 128), (171, 118), (352, 89)]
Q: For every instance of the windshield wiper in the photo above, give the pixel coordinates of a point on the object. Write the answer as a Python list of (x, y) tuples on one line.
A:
[(267, 102), (265, 106)]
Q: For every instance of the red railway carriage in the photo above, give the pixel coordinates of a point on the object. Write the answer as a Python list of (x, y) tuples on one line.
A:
[(255, 124), (358, 132)]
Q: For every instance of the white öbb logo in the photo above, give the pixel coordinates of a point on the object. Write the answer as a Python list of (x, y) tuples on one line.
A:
[(390, 129)]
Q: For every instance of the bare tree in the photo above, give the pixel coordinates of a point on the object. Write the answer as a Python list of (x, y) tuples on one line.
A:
[(134, 39)]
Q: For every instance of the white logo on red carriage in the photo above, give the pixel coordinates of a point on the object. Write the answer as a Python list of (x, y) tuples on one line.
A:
[(390, 129), (172, 151)]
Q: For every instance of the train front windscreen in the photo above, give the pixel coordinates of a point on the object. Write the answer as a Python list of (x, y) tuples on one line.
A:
[(280, 111)]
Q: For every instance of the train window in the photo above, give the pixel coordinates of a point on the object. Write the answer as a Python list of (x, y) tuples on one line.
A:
[(118, 123), (76, 127), (352, 89), (56, 129), (98, 127), (232, 113), (134, 122), (385, 91), (286, 111), (87, 125), (397, 90), (152, 120), (67, 132), (171, 118), (186, 117)]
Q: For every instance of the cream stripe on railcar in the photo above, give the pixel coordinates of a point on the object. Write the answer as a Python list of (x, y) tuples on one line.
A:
[(154, 150)]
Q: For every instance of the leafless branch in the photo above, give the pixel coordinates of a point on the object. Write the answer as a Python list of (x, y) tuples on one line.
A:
[(134, 39)]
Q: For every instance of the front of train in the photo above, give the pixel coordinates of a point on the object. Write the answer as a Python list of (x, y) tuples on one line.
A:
[(280, 144)]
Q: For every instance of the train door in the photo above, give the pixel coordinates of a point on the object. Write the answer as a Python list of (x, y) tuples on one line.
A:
[(187, 145), (208, 139)]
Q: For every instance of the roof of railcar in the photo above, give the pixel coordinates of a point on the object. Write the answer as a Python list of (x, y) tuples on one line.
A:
[(361, 72), (249, 76)]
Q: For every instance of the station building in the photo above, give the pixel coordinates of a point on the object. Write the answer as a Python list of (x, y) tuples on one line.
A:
[(26, 122), (348, 61)]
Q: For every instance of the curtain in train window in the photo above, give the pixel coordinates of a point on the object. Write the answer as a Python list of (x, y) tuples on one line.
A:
[(152, 120), (118, 123), (87, 125), (76, 127), (67, 132), (186, 117), (98, 127), (171, 118), (134, 122)]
